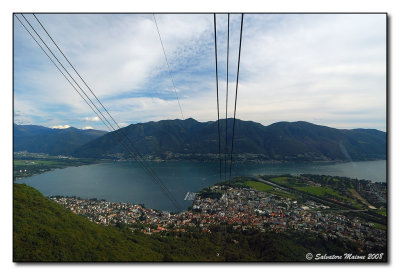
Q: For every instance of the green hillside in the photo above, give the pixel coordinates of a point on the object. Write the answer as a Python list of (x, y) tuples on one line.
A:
[(46, 231)]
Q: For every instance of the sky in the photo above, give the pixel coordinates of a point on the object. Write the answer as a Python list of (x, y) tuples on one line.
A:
[(327, 69)]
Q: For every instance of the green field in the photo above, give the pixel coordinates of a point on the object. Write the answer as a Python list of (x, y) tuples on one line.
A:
[(281, 180), (381, 212), (259, 186), (288, 181), (319, 191), (380, 226)]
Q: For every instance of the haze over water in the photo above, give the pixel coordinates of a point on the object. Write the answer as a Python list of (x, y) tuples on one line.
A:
[(127, 182)]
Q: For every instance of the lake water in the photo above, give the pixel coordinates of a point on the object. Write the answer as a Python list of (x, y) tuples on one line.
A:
[(127, 182)]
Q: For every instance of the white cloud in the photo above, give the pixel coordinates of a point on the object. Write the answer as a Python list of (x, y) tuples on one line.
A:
[(93, 119), (325, 68), (61, 126), (317, 67), (115, 55), (87, 128)]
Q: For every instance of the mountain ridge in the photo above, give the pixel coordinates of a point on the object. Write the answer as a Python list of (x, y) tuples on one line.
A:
[(283, 141), (40, 139)]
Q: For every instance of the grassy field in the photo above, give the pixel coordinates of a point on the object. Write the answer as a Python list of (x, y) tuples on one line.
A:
[(288, 181), (381, 212), (259, 186), (329, 192), (380, 226), (281, 180), (319, 191)]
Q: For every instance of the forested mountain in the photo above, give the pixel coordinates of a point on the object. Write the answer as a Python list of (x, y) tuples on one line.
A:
[(39, 139), (278, 141)]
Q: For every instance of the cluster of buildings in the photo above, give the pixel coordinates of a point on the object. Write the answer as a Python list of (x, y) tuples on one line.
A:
[(241, 207), (112, 213), (244, 207)]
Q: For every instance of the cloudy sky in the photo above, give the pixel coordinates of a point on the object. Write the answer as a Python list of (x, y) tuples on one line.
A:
[(328, 69)]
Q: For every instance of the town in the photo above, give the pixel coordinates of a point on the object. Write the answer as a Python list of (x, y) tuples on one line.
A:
[(241, 207)]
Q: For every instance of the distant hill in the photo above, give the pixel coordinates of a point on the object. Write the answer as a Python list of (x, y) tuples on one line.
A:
[(39, 139), (279, 141)]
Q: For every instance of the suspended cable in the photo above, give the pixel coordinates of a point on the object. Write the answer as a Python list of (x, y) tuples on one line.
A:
[(237, 82), (59, 62), (74, 68), (148, 169), (137, 156), (226, 111), (56, 65), (164, 189), (169, 67), (216, 78), (226, 97)]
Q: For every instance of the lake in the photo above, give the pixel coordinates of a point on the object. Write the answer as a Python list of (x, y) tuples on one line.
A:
[(127, 182)]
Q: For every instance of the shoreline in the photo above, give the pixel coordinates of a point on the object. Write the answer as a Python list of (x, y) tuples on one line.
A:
[(82, 162)]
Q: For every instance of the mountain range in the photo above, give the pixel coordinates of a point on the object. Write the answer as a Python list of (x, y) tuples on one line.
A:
[(39, 139), (190, 138)]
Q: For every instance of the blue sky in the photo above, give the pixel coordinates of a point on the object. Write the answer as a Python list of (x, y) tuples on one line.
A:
[(328, 69)]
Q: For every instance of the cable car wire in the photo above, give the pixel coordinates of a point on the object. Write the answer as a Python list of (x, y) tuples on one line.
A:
[(237, 82), (169, 67), (137, 156), (59, 68), (216, 78), (226, 97)]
